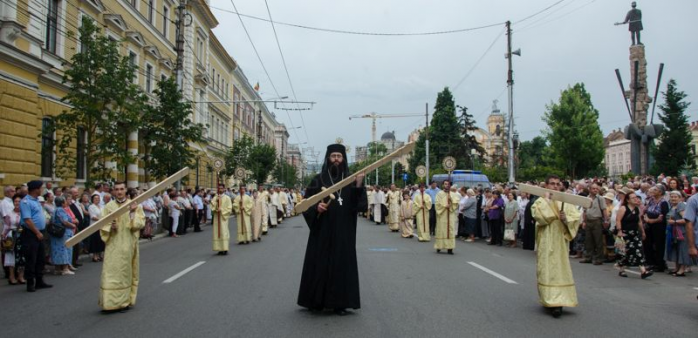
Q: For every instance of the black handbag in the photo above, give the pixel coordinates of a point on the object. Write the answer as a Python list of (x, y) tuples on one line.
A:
[(55, 229)]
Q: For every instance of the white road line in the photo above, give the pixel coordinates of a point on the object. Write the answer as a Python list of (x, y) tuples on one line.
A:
[(492, 273), (182, 273)]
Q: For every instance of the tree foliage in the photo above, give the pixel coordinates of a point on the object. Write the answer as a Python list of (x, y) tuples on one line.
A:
[(167, 131), (444, 135), (468, 142), (258, 159), (262, 161), (105, 102), (285, 174), (673, 151), (574, 134)]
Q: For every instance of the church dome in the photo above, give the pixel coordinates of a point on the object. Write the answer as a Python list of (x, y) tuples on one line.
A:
[(388, 136)]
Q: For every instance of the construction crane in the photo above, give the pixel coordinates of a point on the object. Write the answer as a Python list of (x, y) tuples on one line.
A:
[(375, 116)]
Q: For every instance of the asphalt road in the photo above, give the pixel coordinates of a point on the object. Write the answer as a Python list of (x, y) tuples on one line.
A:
[(407, 290)]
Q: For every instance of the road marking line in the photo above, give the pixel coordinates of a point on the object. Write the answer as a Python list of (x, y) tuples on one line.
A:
[(492, 273), (183, 272)]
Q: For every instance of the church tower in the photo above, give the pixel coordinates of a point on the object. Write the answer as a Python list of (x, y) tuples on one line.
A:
[(497, 149)]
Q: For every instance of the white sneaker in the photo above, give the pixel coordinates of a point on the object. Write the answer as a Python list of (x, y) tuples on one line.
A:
[(469, 240), (67, 272)]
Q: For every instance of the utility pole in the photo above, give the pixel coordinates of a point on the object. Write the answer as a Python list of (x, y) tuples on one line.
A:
[(179, 45), (510, 86), (426, 130)]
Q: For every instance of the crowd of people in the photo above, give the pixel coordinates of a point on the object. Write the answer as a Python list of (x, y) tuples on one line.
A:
[(642, 223), (71, 209)]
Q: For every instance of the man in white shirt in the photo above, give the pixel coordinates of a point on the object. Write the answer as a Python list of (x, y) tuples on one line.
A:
[(198, 210)]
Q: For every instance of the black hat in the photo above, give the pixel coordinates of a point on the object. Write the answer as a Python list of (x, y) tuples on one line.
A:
[(336, 148), (33, 185)]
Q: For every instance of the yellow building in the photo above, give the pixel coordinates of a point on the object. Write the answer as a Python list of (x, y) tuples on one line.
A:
[(38, 38)]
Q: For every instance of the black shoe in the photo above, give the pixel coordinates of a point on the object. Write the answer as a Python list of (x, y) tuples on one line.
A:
[(438, 250), (557, 312), (77, 265), (225, 253), (30, 285), (450, 251), (646, 274), (40, 284), (341, 312), (220, 253)]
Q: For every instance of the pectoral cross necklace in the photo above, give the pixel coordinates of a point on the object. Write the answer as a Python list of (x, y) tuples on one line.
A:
[(339, 195)]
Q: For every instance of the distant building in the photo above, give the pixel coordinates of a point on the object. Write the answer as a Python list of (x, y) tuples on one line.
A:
[(389, 141), (617, 159)]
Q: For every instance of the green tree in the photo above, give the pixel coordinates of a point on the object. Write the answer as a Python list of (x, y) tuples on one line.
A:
[(239, 155), (167, 132), (262, 161), (576, 140), (106, 105), (464, 153), (285, 174), (673, 151), (533, 153), (444, 134)]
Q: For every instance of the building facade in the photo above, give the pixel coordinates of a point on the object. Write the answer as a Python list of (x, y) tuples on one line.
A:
[(617, 158), (37, 41)]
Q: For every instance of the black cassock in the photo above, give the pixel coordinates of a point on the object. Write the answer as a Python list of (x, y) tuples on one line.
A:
[(529, 231), (330, 272)]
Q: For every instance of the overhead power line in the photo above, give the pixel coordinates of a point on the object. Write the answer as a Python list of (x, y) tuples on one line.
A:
[(354, 32), (249, 37), (288, 76), (479, 60)]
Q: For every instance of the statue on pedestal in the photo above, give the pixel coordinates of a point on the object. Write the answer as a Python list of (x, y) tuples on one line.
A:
[(634, 21)]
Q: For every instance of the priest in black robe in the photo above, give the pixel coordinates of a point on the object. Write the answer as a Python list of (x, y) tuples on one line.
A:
[(529, 231), (330, 278)]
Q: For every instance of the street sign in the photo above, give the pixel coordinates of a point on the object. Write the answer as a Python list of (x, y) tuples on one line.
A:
[(404, 177)]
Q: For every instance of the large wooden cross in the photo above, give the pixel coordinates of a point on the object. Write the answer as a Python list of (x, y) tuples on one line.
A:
[(577, 200), (94, 227), (308, 202)]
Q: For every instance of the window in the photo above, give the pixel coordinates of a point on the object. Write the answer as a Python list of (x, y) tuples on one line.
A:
[(200, 51), (151, 11), (80, 172), (163, 77), (134, 3), (47, 143), (165, 19), (148, 78), (52, 26)]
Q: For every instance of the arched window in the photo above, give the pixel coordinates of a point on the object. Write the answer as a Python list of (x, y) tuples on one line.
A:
[(47, 144)]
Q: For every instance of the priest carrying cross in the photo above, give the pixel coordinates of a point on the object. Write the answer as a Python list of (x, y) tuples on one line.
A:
[(330, 278)]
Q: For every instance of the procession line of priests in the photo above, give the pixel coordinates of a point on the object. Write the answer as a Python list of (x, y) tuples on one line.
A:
[(221, 208), (421, 206), (393, 199), (119, 281), (243, 205), (446, 218)]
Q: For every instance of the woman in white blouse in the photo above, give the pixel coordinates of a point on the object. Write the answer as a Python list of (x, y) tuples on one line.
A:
[(96, 243)]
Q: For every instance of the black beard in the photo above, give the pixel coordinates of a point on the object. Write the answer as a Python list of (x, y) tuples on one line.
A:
[(334, 170)]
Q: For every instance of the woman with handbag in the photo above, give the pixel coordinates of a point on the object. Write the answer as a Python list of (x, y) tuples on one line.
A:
[(677, 247), (631, 230), (11, 246), (511, 219), (61, 256)]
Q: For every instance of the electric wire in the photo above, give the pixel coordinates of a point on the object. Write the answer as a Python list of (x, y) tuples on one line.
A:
[(288, 76), (479, 60), (249, 37)]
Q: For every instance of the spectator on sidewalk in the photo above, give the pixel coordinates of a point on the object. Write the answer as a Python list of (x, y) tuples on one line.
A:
[(60, 254), (677, 248), (96, 243), (33, 223), (594, 221), (631, 230), (14, 261), (655, 228)]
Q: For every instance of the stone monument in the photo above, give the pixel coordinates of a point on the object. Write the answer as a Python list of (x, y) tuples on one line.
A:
[(640, 100)]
